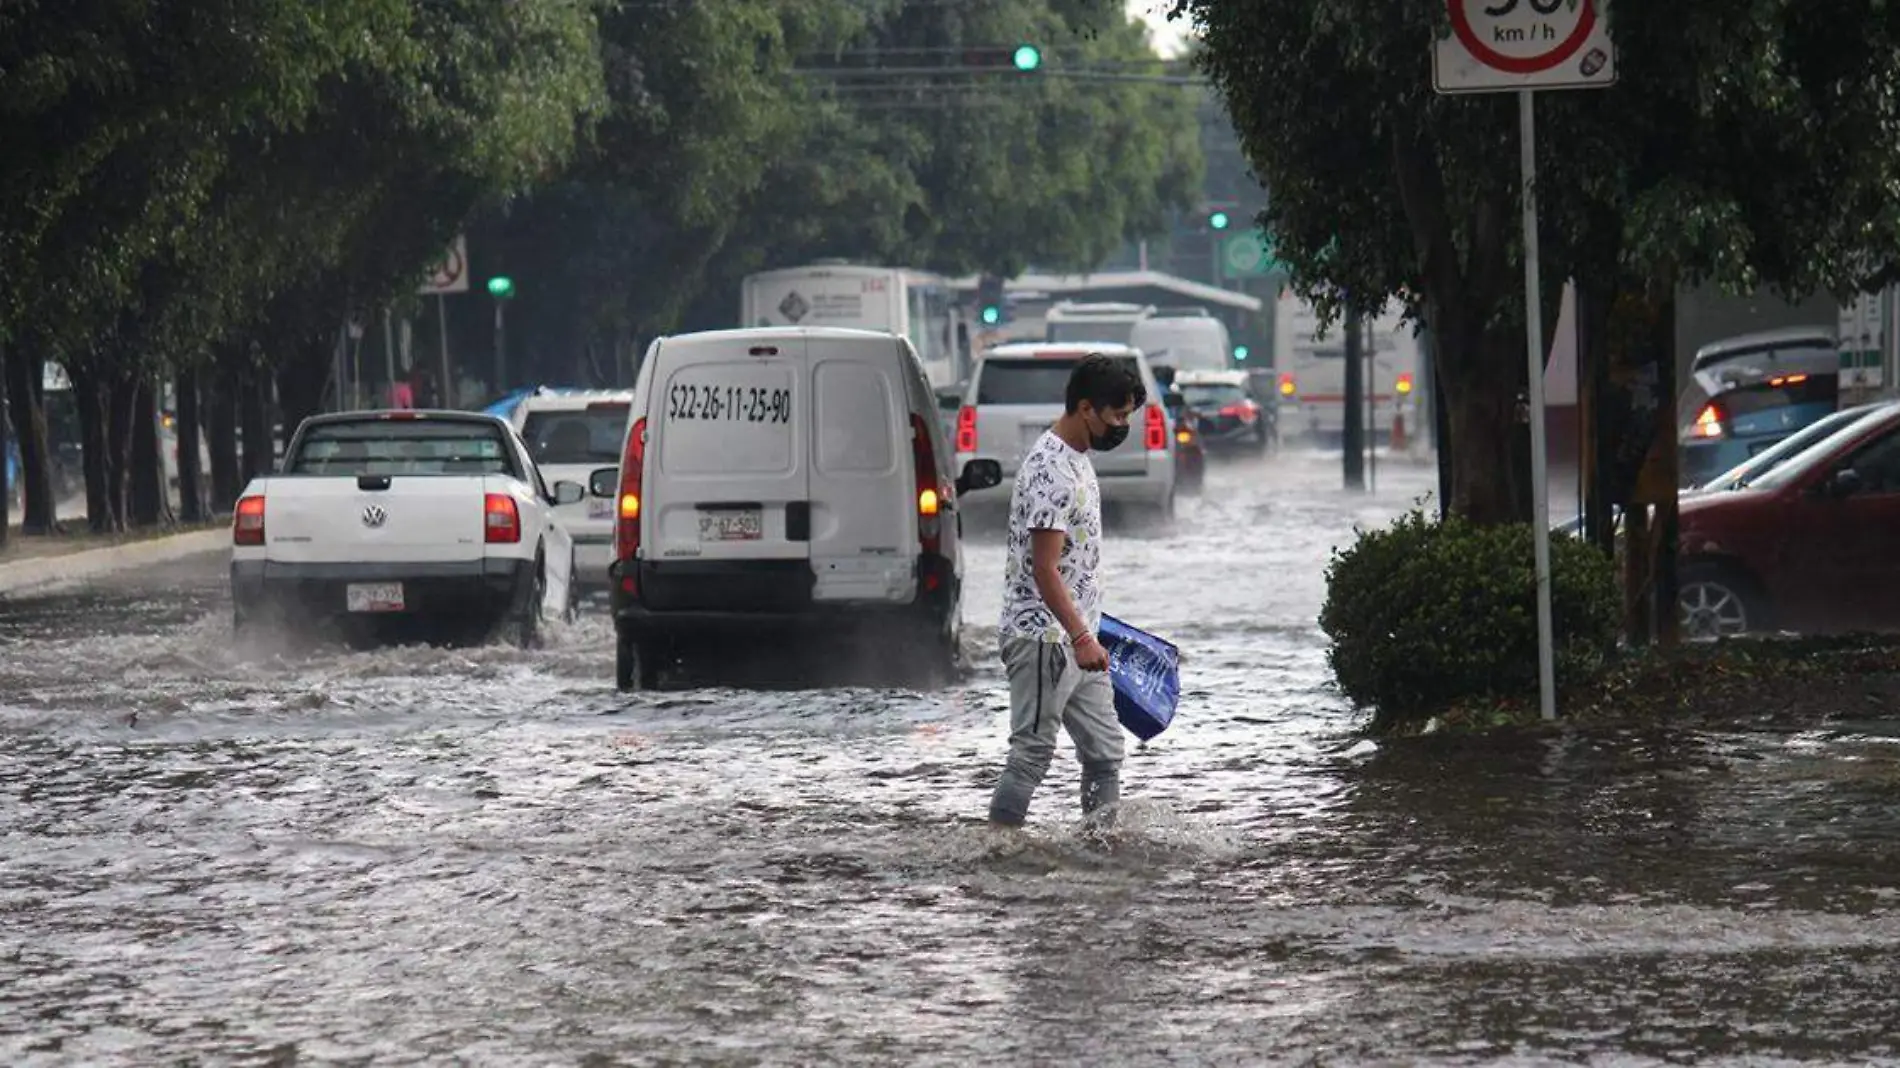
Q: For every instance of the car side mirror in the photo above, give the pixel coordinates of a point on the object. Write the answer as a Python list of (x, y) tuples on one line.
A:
[(1845, 483), (569, 492), (604, 482), (979, 475)]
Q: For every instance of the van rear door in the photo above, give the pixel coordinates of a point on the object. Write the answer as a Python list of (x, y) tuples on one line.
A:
[(728, 475), (863, 508)]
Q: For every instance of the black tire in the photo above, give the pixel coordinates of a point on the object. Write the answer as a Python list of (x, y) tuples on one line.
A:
[(528, 621), (636, 662), (1715, 600), (571, 611)]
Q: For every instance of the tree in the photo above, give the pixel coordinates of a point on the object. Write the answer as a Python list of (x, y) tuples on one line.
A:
[(1740, 146)]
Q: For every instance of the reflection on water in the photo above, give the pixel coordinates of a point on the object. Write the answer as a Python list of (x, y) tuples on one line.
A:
[(408, 856)]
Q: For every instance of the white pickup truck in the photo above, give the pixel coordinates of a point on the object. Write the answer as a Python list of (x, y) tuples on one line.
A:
[(418, 517)]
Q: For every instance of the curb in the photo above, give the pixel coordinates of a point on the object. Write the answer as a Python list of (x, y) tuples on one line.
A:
[(25, 576)]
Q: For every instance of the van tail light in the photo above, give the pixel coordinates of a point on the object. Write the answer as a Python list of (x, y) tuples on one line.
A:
[(1708, 422), (1287, 386), (247, 522), (1156, 435), (1404, 385), (627, 510), (501, 520), (930, 494), (966, 429)]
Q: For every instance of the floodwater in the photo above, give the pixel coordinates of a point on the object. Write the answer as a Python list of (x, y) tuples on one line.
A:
[(488, 856)]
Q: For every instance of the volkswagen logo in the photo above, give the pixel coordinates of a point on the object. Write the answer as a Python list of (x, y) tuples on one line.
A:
[(374, 516)]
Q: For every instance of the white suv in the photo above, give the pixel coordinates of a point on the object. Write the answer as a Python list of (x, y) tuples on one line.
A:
[(1016, 392), (570, 434)]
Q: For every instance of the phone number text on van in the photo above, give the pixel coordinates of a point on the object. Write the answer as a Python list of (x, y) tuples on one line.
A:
[(743, 404)]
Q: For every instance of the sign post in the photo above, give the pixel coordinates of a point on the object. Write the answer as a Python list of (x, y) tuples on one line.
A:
[(1522, 46), (449, 276)]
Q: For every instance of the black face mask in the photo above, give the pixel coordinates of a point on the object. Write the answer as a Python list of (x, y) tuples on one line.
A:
[(1110, 437)]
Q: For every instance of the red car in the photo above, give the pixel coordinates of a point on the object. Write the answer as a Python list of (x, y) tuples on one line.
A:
[(1813, 546)]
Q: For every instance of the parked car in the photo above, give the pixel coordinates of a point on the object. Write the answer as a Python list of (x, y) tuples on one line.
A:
[(424, 517), (1016, 393), (789, 482), (571, 434), (1751, 392), (1809, 546)]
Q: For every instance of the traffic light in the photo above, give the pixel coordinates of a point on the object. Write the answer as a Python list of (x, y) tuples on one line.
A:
[(1218, 220), (1027, 57), (1240, 353), (992, 309), (501, 287)]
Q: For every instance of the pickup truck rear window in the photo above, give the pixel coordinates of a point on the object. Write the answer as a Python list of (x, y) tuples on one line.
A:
[(1030, 380), (402, 447), (591, 436)]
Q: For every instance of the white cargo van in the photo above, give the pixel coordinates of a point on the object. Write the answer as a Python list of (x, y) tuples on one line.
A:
[(1185, 340), (790, 480)]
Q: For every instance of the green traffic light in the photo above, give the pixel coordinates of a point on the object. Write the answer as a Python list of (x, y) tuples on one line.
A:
[(1028, 57), (1240, 352), (992, 315), (501, 287), (1218, 220)]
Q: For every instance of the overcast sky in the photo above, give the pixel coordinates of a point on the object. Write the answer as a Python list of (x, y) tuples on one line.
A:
[(1168, 36)]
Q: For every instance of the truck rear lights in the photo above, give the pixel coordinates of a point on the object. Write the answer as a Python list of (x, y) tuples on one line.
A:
[(929, 494), (1287, 386), (966, 429), (247, 522), (632, 468), (501, 520), (1156, 435)]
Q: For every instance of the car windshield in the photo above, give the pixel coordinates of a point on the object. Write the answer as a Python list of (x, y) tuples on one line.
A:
[(1032, 380), (588, 436), (1745, 473), (1826, 451), (1213, 396), (402, 447)]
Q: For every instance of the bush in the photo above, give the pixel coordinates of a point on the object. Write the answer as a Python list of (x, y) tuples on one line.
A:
[(1427, 614)]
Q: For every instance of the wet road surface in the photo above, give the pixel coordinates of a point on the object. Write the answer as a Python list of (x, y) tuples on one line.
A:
[(488, 856)]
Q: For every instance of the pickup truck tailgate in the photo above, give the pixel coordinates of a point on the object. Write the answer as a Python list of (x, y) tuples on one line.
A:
[(338, 519)]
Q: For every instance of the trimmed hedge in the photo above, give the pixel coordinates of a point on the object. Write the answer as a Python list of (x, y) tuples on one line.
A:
[(1425, 614)]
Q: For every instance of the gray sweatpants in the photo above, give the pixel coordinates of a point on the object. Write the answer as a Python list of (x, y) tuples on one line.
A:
[(1047, 691)]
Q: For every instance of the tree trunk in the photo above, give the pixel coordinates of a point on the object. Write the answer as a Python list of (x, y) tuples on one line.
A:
[(222, 442), (26, 401), (254, 418), (6, 454), (149, 492), (192, 505), (300, 382), (89, 398), (122, 404)]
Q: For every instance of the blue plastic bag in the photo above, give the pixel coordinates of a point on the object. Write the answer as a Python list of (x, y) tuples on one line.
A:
[(1146, 673)]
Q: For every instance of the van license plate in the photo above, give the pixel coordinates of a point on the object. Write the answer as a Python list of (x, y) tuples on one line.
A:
[(744, 525), (374, 596)]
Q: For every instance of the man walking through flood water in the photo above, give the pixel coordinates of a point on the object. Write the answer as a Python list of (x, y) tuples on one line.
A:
[(1052, 597)]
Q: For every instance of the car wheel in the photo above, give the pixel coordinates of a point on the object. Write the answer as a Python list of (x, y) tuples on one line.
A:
[(1714, 602), (636, 662), (528, 626), (571, 610)]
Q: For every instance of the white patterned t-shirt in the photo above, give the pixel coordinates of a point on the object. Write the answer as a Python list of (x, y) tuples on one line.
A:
[(1055, 490)]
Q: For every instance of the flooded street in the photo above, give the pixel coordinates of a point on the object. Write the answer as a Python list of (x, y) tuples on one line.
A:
[(488, 856)]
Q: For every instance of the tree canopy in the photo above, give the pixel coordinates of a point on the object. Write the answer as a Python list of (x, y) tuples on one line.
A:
[(1742, 145)]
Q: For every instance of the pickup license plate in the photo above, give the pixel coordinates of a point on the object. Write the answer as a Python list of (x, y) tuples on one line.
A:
[(374, 596), (600, 508), (747, 524)]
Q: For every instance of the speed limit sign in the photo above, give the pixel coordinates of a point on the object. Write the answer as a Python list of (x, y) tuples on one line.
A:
[(1495, 45)]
